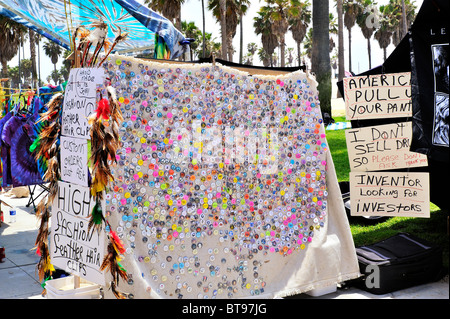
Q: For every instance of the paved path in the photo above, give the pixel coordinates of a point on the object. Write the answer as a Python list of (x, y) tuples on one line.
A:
[(19, 280)]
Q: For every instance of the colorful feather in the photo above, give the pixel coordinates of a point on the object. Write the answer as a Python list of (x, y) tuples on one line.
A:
[(115, 240), (96, 219), (103, 109), (111, 263)]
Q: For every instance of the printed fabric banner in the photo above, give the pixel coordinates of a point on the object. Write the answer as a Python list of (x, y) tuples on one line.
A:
[(224, 186), (430, 79)]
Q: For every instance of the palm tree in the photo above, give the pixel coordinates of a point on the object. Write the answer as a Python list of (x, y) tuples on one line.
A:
[(299, 19), (351, 11), (263, 26), (320, 63), (219, 9), (223, 26), (333, 30), (190, 30), (53, 51), (26, 70), (203, 29), (289, 57), (308, 43), (13, 74), (384, 33), (401, 14), (211, 46), (265, 58), (170, 9), (366, 28), (251, 49), (280, 25), (32, 37), (243, 7), (10, 40), (234, 10)]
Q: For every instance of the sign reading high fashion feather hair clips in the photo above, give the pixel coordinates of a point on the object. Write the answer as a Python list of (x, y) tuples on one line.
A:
[(72, 247), (378, 96)]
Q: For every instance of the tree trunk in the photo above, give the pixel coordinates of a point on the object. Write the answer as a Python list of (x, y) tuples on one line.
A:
[(230, 48), (223, 27), (39, 61), (404, 24), (341, 60), (282, 51), (370, 53), (4, 68), (321, 64), (241, 40), (350, 50), (299, 54), (204, 44), (33, 58)]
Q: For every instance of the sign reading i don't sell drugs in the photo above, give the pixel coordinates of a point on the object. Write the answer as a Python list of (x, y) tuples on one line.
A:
[(382, 147)]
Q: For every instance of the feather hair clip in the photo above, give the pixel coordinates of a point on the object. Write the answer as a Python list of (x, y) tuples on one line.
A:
[(111, 262), (46, 148), (119, 38)]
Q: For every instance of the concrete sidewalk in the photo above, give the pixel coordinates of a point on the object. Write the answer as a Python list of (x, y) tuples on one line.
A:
[(19, 280), (18, 276)]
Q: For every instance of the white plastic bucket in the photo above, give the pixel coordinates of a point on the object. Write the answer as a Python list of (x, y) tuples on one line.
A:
[(63, 288)]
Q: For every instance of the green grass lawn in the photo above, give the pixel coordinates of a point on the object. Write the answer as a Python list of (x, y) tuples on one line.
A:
[(433, 229)]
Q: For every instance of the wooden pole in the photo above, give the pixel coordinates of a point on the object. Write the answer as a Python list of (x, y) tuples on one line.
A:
[(76, 282)]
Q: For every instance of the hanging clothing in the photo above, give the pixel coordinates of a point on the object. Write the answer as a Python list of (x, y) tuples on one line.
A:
[(5, 153), (15, 138)]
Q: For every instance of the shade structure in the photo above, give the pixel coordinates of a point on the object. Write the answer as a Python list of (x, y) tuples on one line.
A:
[(57, 19)]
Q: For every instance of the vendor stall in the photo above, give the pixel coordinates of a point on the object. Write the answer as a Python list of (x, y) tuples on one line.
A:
[(224, 185), (181, 180)]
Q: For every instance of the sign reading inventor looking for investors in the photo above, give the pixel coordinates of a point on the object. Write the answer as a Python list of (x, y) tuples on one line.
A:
[(390, 194)]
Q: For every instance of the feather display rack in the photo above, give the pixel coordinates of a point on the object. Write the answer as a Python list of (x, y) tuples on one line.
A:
[(46, 151), (104, 135), (104, 144)]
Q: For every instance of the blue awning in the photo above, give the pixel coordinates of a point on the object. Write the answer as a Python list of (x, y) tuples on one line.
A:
[(57, 19)]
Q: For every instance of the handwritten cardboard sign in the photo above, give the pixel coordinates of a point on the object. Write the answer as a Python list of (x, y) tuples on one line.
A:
[(72, 247), (382, 147), (378, 96), (74, 168), (389, 194), (80, 101)]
